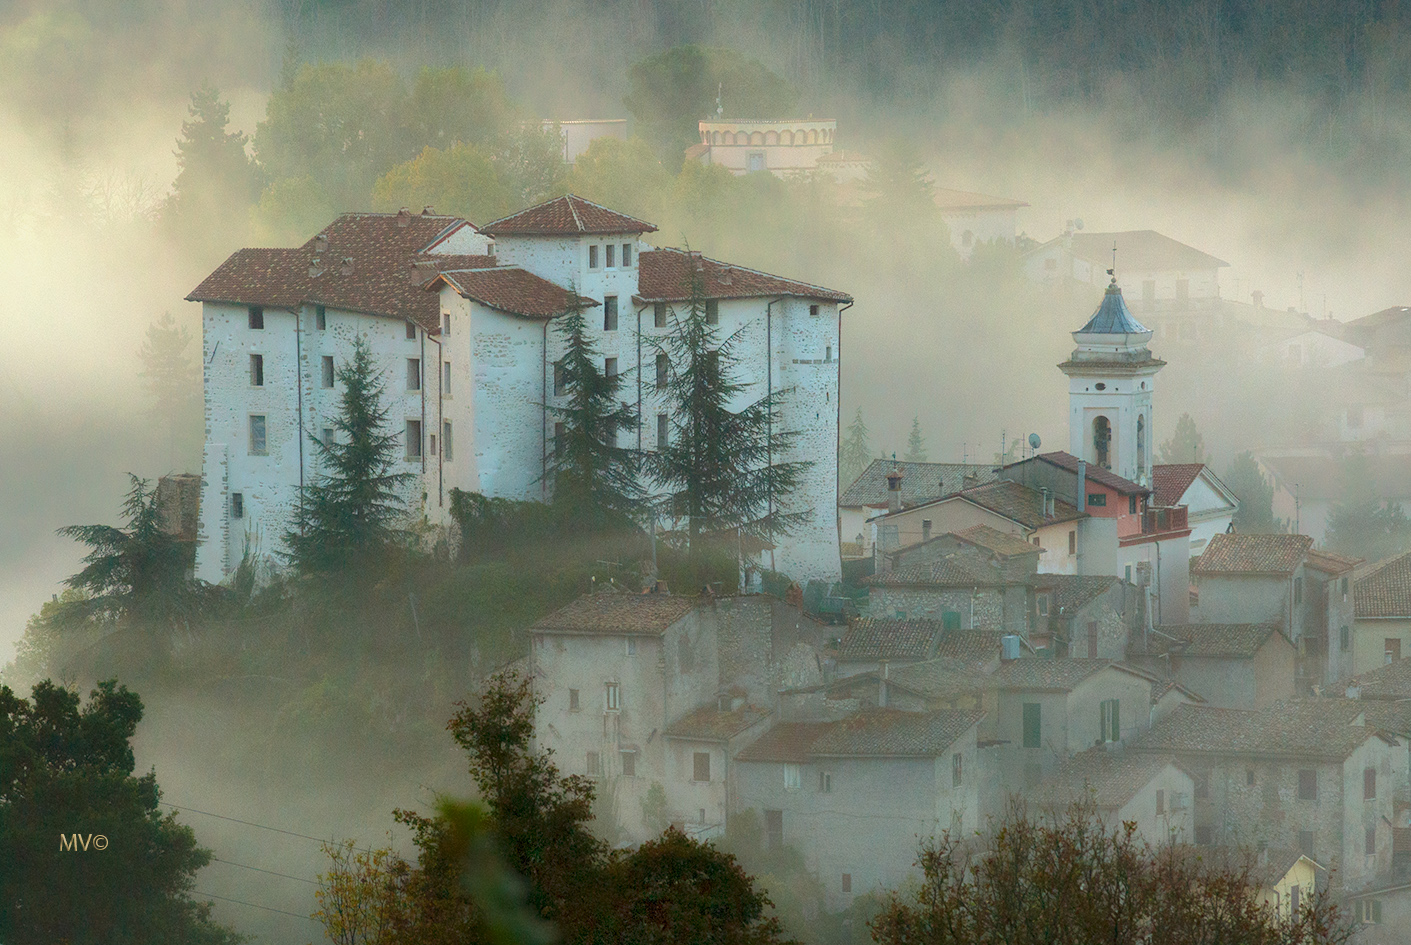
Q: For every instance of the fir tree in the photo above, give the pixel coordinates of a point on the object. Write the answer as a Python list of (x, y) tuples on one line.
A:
[(1186, 444), (720, 467), (595, 480), (349, 516), (915, 444), (216, 182), (172, 378), (1255, 514), (856, 454)]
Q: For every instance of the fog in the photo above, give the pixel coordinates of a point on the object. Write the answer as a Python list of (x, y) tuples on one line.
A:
[(92, 97)]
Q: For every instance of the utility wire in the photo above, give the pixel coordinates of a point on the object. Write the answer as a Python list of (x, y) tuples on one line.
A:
[(254, 905), (250, 823), (259, 869)]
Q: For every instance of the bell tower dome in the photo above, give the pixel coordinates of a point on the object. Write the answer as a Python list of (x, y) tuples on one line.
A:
[(1111, 374)]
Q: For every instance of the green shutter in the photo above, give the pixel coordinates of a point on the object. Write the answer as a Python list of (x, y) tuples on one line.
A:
[(1031, 725), (950, 620)]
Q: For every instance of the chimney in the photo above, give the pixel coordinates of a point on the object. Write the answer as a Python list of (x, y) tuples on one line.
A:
[(427, 211), (1046, 508), (894, 490), (882, 686), (321, 243), (315, 267), (346, 267), (1082, 486), (404, 217), (725, 278)]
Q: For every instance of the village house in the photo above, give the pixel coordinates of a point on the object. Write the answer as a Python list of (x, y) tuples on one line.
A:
[(1310, 480), (1090, 616), (1322, 346), (965, 589), (578, 133), (974, 219), (1210, 505), (870, 642), (854, 795), (1383, 913), (1235, 666), (1279, 878), (1282, 581), (1311, 774), (783, 147), (1124, 787), (1382, 617), (867, 496), (459, 322), (704, 742)]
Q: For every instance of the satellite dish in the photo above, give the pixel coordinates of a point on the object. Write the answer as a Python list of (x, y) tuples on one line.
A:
[(1078, 223), (1034, 441)]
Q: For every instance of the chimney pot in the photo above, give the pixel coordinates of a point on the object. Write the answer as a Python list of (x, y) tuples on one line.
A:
[(321, 243), (315, 267), (894, 479), (427, 211), (404, 217), (346, 268)]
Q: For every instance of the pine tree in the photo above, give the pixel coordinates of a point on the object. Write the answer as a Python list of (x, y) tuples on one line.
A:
[(719, 467), (915, 444), (856, 453), (216, 182), (172, 378), (594, 479), (1186, 444), (349, 516), (1256, 496)]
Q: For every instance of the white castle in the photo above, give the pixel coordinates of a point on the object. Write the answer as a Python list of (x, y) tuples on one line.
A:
[(460, 321)]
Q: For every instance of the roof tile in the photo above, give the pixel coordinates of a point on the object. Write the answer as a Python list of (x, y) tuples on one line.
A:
[(921, 482), (889, 733), (514, 290), (564, 216), (1056, 675), (1171, 480), (1386, 591), (876, 638), (1252, 554), (617, 614), (710, 724), (665, 275), (1109, 778)]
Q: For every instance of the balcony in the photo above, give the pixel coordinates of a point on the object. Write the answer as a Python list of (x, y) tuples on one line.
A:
[(1161, 520)]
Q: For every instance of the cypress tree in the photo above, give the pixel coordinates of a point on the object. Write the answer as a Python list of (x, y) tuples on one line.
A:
[(915, 444), (856, 453)]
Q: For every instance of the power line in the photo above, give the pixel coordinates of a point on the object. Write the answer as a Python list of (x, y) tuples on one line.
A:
[(260, 869), (254, 905), (250, 823)]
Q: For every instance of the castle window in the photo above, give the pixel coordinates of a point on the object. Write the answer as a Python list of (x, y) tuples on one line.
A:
[(609, 310), (257, 317), (413, 374), (257, 370), (257, 435), (237, 505), (592, 257), (446, 441), (446, 377), (610, 367), (327, 370), (320, 317), (413, 439)]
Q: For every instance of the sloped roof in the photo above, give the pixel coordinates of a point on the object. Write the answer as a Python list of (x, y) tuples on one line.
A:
[(1073, 592), (1094, 473), (1386, 591), (1170, 481), (1110, 778), (1020, 504), (888, 733), (979, 649), (1112, 316), (937, 678), (1392, 681), (921, 482), (1139, 251), (1387, 316), (665, 275), (1197, 729), (1001, 543), (1330, 562), (514, 290), (568, 215), (1056, 675), (617, 614), (878, 638), (380, 249), (957, 569), (711, 724), (1214, 640), (948, 199), (1252, 554), (1305, 728), (785, 742)]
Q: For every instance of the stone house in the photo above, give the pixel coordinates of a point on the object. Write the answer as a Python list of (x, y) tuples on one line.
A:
[(1126, 787), (1167, 695), (1382, 616), (973, 219), (854, 795), (458, 319), (699, 749), (867, 496), (1209, 503), (1315, 775), (1233, 666), (872, 642), (1049, 710), (1089, 616), (1282, 581), (962, 590)]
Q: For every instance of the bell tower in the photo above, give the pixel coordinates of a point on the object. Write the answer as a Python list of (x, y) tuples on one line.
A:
[(1111, 374)]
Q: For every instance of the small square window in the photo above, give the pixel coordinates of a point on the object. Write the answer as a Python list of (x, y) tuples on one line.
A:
[(320, 317), (609, 254), (327, 366), (1098, 499), (813, 311), (237, 505), (257, 317), (573, 700), (609, 312), (791, 777), (629, 763), (712, 311), (701, 766), (413, 374), (257, 370), (413, 439), (626, 255), (446, 441), (257, 435), (592, 257), (613, 697), (411, 331), (659, 314)]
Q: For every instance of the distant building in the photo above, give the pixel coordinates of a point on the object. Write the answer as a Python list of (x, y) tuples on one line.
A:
[(1234, 666), (1149, 791), (578, 134), (868, 497), (1382, 628), (977, 218), (1173, 277), (789, 146), (1210, 505)]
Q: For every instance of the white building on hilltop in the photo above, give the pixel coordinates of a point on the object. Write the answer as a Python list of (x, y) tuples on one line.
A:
[(459, 319)]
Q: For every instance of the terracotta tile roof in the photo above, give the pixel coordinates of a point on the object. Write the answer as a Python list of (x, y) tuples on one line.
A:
[(1094, 472), (1163, 687), (366, 267), (1001, 543), (617, 614), (1213, 640), (565, 216), (785, 742), (710, 724), (1386, 591), (1019, 503), (1053, 675), (957, 569), (664, 275), (1073, 592), (979, 649), (514, 290), (1326, 729), (1252, 554), (1330, 562), (1169, 481), (888, 733), (938, 678), (875, 638), (921, 482), (1392, 681), (1109, 778)]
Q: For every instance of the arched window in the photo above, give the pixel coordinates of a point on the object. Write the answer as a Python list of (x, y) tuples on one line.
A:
[(813, 137), (715, 138), (729, 137), (771, 137), (1141, 445), (757, 138), (1102, 440), (786, 138)]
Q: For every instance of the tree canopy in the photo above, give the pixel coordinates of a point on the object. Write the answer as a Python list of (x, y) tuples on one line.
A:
[(1186, 444)]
